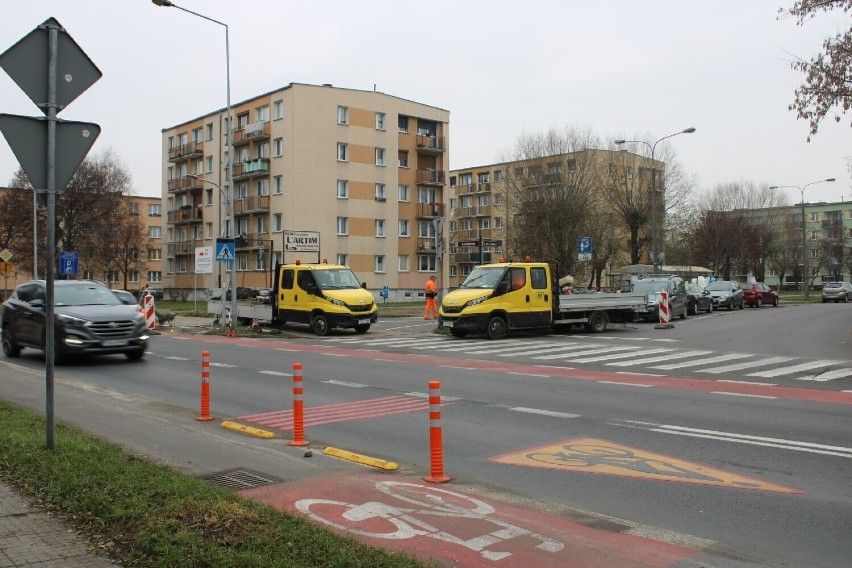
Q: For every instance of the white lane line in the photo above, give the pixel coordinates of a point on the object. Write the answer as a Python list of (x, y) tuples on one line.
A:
[(669, 357), (426, 395), (526, 374), (746, 365), (345, 384), (173, 358), (698, 362), (616, 356), (276, 373), (458, 367), (743, 394), (746, 382), (624, 384), (596, 350), (827, 376), (223, 365), (795, 368), (543, 412), (333, 354), (638, 374)]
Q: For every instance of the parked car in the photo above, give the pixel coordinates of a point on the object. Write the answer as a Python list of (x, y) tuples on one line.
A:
[(698, 299), (673, 285), (90, 319), (126, 297), (726, 294), (755, 294), (836, 292)]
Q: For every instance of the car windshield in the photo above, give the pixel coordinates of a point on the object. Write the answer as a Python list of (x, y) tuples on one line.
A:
[(748, 286), (336, 279), (832, 285), (85, 295), (719, 285), (485, 278), (651, 286)]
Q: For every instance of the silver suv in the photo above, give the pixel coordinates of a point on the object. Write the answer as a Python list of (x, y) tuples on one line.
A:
[(836, 292)]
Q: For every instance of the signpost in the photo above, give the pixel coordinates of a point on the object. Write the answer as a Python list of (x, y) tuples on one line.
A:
[(69, 263), (584, 248), (6, 268), (53, 71)]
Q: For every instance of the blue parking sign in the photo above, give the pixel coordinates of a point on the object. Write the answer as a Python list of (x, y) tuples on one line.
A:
[(69, 262), (584, 244)]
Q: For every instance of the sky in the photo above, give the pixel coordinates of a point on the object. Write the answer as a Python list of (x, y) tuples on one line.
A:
[(624, 69)]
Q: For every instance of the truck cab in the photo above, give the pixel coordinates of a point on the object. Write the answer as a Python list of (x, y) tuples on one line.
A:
[(324, 296)]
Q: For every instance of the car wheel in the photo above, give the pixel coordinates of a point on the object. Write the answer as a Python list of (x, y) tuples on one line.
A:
[(693, 307), (497, 328), (710, 308), (730, 306), (362, 328), (775, 301), (10, 348), (319, 325), (758, 304), (824, 301), (845, 299), (135, 355)]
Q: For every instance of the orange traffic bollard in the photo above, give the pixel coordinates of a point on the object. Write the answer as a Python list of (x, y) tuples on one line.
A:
[(298, 408), (205, 386), (436, 447)]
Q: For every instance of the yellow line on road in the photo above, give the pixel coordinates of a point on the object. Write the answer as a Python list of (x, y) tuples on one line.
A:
[(358, 458), (247, 429)]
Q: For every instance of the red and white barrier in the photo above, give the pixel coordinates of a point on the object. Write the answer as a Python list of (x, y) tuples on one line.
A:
[(663, 308), (150, 312)]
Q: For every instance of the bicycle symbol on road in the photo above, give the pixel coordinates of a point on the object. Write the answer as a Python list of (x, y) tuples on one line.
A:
[(382, 520)]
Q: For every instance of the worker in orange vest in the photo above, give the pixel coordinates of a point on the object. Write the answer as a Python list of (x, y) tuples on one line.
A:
[(431, 289)]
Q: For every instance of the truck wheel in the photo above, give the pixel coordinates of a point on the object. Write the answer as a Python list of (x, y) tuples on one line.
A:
[(362, 328), (497, 328), (10, 348), (320, 325), (458, 332), (597, 323)]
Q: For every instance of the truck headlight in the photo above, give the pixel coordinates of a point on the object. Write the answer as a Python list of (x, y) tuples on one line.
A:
[(337, 302), (476, 301)]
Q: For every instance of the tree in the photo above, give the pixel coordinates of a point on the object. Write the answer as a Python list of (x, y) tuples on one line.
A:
[(827, 87)]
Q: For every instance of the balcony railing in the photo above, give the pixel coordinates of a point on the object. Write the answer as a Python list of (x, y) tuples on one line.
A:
[(430, 177), (251, 168), (483, 187), (185, 214), (251, 203), (184, 247), (253, 131), (430, 209), (254, 241), (473, 211), (470, 234), (426, 245), (430, 143), (186, 151), (183, 183)]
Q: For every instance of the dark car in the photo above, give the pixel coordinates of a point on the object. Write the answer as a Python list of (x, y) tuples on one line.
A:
[(836, 292), (698, 299), (90, 319), (126, 297), (726, 294), (755, 294), (673, 285)]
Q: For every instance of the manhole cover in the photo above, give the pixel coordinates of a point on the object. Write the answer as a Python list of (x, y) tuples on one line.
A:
[(239, 479)]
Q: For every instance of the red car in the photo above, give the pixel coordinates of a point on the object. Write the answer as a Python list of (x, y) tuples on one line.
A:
[(755, 294)]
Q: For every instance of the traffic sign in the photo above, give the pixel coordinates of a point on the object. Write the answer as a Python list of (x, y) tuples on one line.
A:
[(5, 268), (6, 255), (68, 263), (467, 243), (225, 250), (584, 244)]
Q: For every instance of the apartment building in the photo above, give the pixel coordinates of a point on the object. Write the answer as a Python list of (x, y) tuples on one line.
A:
[(364, 171)]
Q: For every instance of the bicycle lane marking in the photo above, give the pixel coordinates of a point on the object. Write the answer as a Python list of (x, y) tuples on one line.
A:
[(446, 525)]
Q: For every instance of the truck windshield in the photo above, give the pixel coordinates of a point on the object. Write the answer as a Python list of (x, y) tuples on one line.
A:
[(483, 278), (336, 279)]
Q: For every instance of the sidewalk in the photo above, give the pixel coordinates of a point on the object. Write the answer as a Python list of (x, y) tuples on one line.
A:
[(32, 538)]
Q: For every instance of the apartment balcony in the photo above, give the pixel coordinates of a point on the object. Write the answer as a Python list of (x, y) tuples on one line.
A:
[(183, 247), (426, 245), (186, 152), (427, 143), (184, 183), (185, 214), (474, 188), (471, 234), (430, 177), (251, 168), (251, 204), (473, 211), (428, 210), (253, 131), (257, 241)]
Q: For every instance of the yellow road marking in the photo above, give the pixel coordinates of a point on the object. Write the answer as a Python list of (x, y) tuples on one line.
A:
[(358, 458), (247, 429)]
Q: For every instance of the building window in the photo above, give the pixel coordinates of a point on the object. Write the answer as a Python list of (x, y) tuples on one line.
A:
[(277, 222), (155, 232), (155, 276), (209, 200), (380, 121), (380, 227), (134, 209), (483, 177), (402, 193), (380, 192), (261, 114), (343, 225), (380, 156), (279, 185), (342, 189), (498, 199), (278, 110), (426, 263), (403, 228), (208, 164), (380, 263), (133, 276), (453, 181), (498, 222), (402, 123), (453, 271), (261, 224), (498, 175), (403, 158), (208, 233), (342, 152), (342, 258), (261, 150), (629, 172), (342, 115), (402, 263), (155, 209), (155, 254), (197, 135), (208, 131), (572, 165), (279, 147), (465, 179), (452, 203), (261, 187)]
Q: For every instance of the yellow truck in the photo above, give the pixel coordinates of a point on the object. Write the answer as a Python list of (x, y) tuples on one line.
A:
[(497, 299), (324, 296)]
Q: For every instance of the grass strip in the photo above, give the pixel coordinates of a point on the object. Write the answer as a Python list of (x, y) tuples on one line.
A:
[(147, 515)]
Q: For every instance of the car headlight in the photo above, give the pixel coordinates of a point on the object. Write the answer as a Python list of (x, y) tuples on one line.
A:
[(71, 320), (337, 302), (724, 296), (476, 301)]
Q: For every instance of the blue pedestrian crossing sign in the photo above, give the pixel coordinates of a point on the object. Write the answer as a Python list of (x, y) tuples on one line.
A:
[(69, 262), (225, 250)]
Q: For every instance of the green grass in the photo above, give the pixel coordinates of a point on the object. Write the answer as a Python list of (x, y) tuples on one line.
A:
[(147, 515)]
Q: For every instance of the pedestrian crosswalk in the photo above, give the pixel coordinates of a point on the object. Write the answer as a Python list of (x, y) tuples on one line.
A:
[(648, 356)]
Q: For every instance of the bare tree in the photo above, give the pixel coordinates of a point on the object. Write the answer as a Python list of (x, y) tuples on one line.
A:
[(827, 87)]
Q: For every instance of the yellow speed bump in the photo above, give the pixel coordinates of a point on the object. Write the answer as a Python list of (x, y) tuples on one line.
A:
[(366, 460), (247, 429)]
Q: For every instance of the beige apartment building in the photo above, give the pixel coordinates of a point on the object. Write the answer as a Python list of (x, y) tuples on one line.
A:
[(364, 171)]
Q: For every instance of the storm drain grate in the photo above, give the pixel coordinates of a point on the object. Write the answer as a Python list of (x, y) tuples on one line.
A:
[(239, 479)]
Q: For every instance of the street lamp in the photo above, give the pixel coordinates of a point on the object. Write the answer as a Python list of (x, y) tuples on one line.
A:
[(230, 134), (229, 211), (653, 147), (805, 288)]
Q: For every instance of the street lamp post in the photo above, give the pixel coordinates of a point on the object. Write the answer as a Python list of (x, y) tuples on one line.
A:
[(806, 291), (653, 147), (230, 135)]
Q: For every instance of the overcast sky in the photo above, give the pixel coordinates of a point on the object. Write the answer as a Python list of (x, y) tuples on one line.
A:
[(620, 67)]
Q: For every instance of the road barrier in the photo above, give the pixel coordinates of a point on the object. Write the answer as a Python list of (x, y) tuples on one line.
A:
[(298, 408), (665, 314), (436, 446), (150, 312), (205, 386)]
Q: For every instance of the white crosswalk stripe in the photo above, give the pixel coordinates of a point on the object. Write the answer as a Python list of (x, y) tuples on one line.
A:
[(668, 357), (611, 356), (795, 369), (699, 362), (551, 349), (828, 375), (746, 365), (597, 350)]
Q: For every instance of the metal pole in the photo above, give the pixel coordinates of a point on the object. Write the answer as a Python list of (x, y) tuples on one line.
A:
[(805, 288), (653, 212), (35, 234), (50, 328)]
